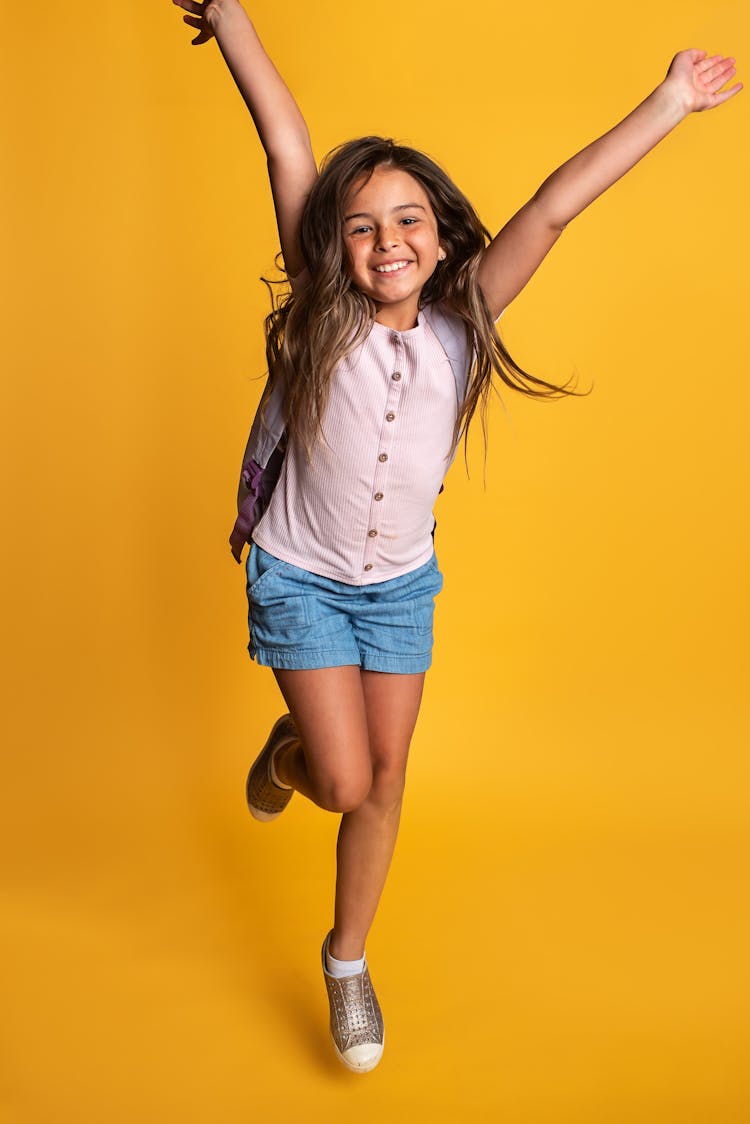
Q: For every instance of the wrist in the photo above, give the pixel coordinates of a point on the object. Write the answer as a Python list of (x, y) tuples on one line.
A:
[(671, 101), (223, 14)]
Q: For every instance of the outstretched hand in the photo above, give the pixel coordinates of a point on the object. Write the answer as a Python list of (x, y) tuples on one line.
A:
[(697, 80), (204, 18)]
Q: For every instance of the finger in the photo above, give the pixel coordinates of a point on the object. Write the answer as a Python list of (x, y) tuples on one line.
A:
[(715, 78), (719, 80), (735, 89), (706, 64), (189, 6), (719, 99), (723, 64), (193, 21)]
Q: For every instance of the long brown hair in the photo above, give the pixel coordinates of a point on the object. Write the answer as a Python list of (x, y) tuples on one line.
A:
[(309, 332)]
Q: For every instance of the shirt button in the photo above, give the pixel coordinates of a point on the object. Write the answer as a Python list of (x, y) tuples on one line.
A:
[(378, 495), (372, 534), (368, 566), (383, 458), (396, 376), (390, 416)]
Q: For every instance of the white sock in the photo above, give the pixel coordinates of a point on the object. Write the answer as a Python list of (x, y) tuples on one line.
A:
[(341, 968), (274, 778)]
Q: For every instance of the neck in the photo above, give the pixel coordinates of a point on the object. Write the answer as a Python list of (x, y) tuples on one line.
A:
[(399, 318)]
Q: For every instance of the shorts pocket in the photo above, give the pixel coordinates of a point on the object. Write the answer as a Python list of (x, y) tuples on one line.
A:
[(278, 605), (261, 566)]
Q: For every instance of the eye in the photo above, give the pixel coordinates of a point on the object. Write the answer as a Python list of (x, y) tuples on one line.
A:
[(359, 230), (409, 220)]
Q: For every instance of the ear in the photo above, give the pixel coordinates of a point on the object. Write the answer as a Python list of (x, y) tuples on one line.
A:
[(442, 254)]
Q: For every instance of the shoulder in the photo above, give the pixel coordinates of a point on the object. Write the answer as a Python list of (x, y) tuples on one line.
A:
[(443, 313)]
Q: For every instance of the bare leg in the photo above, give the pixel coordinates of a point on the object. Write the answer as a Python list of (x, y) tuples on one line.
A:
[(355, 727), (367, 836), (332, 767)]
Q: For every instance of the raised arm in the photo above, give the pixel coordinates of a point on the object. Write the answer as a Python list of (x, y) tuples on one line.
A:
[(692, 83), (280, 124)]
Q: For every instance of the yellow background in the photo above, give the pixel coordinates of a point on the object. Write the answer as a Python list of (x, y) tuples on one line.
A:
[(576, 811)]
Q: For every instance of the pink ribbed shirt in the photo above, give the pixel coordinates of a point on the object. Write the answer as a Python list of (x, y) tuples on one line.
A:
[(361, 510)]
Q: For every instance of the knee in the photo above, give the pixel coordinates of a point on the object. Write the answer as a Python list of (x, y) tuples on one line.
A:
[(387, 789), (345, 793)]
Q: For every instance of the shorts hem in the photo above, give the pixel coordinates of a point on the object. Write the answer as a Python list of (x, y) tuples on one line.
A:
[(397, 665), (302, 661)]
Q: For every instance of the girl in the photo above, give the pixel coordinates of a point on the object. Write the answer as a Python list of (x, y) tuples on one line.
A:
[(378, 359)]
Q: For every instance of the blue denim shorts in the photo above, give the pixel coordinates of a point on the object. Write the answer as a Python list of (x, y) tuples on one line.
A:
[(300, 620)]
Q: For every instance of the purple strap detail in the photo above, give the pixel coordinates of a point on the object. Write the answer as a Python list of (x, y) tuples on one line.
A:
[(250, 509), (252, 474), (260, 483)]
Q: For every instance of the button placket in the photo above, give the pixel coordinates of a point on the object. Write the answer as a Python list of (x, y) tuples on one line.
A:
[(385, 446)]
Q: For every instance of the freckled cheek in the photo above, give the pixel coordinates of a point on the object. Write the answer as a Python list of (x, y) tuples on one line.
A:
[(356, 266), (434, 243), (349, 261)]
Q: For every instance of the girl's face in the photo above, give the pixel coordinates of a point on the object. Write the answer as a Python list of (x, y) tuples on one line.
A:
[(392, 244)]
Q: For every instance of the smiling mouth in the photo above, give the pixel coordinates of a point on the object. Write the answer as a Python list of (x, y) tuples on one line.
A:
[(392, 267)]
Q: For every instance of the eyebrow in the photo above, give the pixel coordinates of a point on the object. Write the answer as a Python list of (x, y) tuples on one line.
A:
[(401, 207)]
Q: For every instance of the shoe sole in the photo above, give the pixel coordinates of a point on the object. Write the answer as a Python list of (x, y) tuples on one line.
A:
[(264, 817), (256, 813)]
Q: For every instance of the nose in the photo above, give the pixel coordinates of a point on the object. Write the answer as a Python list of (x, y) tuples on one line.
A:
[(387, 238)]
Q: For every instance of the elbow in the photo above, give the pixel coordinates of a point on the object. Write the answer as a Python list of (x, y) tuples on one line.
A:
[(292, 145), (552, 216)]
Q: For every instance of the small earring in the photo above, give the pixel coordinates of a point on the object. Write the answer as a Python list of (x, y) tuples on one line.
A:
[(442, 255)]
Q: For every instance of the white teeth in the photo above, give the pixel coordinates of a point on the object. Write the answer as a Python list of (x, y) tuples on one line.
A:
[(392, 267)]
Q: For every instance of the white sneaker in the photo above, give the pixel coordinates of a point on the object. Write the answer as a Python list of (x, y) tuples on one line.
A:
[(356, 1020)]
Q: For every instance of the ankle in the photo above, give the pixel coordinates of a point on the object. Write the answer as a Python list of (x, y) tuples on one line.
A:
[(345, 948)]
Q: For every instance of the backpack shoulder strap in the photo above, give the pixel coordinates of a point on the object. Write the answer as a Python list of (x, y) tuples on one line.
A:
[(267, 428), (453, 336)]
